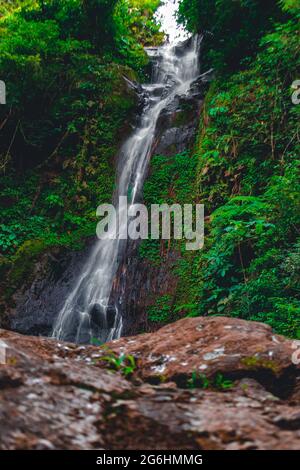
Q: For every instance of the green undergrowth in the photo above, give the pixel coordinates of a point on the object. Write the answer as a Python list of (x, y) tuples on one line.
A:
[(171, 181), (56, 199), (248, 177), (245, 169), (123, 363), (218, 382), (68, 111)]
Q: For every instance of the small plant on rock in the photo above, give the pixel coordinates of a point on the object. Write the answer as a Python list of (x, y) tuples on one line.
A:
[(198, 381), (125, 364), (219, 382)]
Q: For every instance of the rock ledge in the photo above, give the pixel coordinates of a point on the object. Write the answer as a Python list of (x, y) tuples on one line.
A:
[(63, 396)]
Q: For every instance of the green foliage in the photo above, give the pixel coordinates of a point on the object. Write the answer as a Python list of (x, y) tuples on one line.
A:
[(96, 342), (9, 6), (60, 202), (198, 380), (233, 29), (125, 364), (23, 262), (292, 6), (68, 108), (135, 28), (151, 251), (246, 168), (161, 311), (170, 181), (54, 201), (219, 382), (8, 238), (248, 177)]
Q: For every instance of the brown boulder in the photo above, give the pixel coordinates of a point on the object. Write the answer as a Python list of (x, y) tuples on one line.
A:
[(62, 396), (212, 345)]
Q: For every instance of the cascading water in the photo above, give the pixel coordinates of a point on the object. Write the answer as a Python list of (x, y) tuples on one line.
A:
[(87, 312)]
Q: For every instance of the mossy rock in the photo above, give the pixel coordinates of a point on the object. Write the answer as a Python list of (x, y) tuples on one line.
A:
[(24, 260), (257, 363), (184, 117), (121, 95)]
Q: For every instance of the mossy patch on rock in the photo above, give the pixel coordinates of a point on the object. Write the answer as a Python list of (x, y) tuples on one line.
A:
[(258, 363), (24, 260)]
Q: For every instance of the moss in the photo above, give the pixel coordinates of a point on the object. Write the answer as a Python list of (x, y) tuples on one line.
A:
[(121, 94), (256, 363), (24, 260), (161, 310), (185, 116)]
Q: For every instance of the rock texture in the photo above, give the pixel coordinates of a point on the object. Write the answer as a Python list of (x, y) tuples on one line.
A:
[(63, 396)]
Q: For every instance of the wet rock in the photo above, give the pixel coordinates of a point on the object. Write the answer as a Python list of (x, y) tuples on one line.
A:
[(62, 396), (212, 345), (97, 315), (103, 317), (140, 95), (174, 140), (144, 282), (36, 302), (111, 314)]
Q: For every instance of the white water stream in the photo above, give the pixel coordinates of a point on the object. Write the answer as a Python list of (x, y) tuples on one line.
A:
[(87, 312)]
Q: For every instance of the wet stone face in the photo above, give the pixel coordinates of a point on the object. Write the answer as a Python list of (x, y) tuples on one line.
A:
[(58, 306), (102, 317)]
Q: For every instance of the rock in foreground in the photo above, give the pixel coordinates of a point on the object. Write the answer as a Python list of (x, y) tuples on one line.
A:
[(62, 396)]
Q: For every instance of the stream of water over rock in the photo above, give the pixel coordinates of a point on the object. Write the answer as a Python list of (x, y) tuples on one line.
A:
[(89, 311)]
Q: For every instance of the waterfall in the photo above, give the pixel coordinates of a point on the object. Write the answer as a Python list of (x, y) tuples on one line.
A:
[(88, 312)]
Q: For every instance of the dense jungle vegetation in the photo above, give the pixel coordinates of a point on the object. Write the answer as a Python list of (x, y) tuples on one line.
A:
[(69, 108), (246, 161)]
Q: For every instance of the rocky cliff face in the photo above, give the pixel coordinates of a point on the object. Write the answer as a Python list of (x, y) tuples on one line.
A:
[(34, 302), (139, 282), (64, 396)]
